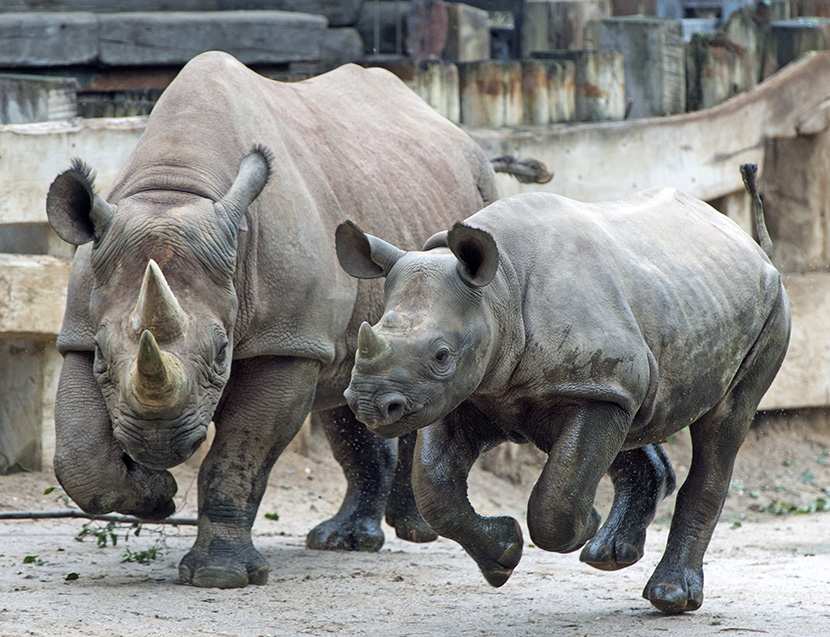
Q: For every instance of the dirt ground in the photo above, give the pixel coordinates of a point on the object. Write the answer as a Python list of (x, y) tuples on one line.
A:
[(767, 568)]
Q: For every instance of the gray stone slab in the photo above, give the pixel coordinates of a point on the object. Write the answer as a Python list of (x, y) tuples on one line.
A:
[(254, 37), (340, 46), (31, 98), (47, 39), (655, 62), (21, 404), (338, 12)]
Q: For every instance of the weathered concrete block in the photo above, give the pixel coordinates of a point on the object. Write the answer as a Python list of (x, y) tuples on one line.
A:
[(716, 72), (535, 93), (21, 404), (468, 34), (655, 62), (808, 8), (793, 38), (560, 25), (599, 82), (561, 90), (797, 201), (34, 98), (491, 93), (47, 39), (254, 37), (32, 295)]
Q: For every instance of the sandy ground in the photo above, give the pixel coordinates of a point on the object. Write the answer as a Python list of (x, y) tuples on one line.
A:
[(765, 573)]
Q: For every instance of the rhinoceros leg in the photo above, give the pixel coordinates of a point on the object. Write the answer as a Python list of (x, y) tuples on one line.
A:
[(444, 455), (677, 583), (263, 407), (89, 463), (641, 478), (401, 510), (369, 465), (560, 512)]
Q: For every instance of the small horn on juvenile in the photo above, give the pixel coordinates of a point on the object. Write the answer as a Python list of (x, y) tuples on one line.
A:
[(155, 381), (157, 309), (369, 344)]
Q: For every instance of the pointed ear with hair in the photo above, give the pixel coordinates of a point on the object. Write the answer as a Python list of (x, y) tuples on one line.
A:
[(477, 254), (254, 171), (362, 255), (76, 213)]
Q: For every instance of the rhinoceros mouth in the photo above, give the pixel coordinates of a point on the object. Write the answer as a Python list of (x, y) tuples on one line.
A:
[(160, 448)]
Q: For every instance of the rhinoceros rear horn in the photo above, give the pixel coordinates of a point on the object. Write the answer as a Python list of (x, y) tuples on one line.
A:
[(75, 212), (254, 171), (155, 381), (157, 309), (369, 344)]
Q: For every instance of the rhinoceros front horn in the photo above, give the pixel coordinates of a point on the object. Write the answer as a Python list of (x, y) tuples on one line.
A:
[(369, 344), (157, 309), (156, 381)]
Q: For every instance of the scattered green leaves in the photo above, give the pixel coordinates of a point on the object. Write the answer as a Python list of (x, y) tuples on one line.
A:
[(71, 577), (108, 534), (272, 516), (777, 507), (33, 559)]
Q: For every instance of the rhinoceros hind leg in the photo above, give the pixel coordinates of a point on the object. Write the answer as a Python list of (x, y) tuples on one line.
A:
[(368, 463), (401, 510), (641, 478), (677, 583)]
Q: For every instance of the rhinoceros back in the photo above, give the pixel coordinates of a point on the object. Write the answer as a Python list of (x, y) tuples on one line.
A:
[(635, 296)]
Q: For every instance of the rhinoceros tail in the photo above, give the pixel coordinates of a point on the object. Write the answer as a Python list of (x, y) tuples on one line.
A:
[(748, 172), (527, 171)]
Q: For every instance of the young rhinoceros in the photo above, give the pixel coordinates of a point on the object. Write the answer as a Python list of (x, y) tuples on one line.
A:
[(591, 331)]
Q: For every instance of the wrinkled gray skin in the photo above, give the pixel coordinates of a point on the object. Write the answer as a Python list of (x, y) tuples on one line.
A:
[(208, 289), (592, 331)]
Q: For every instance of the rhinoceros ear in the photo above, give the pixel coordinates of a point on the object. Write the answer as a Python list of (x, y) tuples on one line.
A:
[(75, 212), (362, 255), (254, 171), (477, 254)]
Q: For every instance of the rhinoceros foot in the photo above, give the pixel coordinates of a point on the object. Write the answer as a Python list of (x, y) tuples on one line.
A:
[(346, 533), (610, 555), (223, 565), (412, 528), (676, 592), (510, 538)]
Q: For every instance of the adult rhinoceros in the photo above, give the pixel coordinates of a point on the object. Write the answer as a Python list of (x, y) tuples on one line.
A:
[(591, 331), (207, 288)]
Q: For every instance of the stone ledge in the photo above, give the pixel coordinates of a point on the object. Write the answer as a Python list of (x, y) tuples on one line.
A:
[(32, 295)]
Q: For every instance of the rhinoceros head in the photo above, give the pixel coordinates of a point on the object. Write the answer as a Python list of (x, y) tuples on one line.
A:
[(163, 303), (430, 350)]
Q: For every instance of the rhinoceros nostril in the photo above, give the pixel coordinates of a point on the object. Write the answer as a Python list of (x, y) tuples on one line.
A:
[(392, 408)]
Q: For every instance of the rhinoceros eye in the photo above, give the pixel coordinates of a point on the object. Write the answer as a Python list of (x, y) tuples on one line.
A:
[(442, 355), (222, 354), (99, 366)]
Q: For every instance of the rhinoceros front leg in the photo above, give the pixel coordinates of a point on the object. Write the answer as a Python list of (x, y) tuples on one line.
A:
[(378, 475), (444, 455), (584, 443), (263, 407), (89, 463), (641, 478)]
